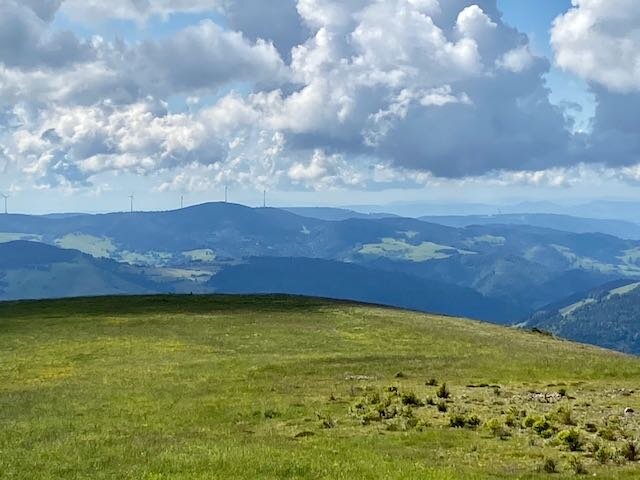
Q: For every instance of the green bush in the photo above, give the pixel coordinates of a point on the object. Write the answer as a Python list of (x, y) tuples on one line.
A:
[(497, 429), (395, 410), (565, 416), (630, 451), (549, 465), (412, 399), (603, 455), (374, 398), (401, 424), (473, 421), (591, 427), (543, 428), (529, 421), (270, 414), (577, 466), (457, 420), (443, 392), (608, 433), (326, 422), (513, 417), (442, 407), (511, 421), (432, 382), (572, 439), (460, 420)]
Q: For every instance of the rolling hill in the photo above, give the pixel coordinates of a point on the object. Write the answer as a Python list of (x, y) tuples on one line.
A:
[(189, 387), (31, 270), (608, 316), (328, 279)]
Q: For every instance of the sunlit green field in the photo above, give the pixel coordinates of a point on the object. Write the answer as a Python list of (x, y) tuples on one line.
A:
[(274, 387)]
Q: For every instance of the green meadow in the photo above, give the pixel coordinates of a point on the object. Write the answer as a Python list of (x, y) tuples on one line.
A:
[(189, 387)]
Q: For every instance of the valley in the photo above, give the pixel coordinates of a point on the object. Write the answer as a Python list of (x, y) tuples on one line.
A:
[(500, 273)]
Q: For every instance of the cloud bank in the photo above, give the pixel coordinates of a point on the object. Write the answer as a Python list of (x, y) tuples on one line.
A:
[(311, 94)]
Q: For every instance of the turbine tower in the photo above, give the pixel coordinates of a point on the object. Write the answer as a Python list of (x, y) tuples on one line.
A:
[(226, 194), (6, 198), (264, 200), (131, 197), (181, 202)]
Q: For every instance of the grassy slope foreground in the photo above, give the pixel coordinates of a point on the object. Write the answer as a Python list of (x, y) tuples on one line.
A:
[(275, 387)]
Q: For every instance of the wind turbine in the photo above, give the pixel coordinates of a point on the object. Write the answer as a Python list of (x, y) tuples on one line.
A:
[(264, 201), (181, 202), (226, 194), (131, 197), (6, 198)]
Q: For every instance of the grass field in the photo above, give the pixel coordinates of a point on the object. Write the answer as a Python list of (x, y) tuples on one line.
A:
[(275, 387)]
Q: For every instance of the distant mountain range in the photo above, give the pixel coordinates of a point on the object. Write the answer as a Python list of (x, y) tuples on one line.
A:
[(335, 214), (617, 228), (608, 316), (500, 272), (599, 209)]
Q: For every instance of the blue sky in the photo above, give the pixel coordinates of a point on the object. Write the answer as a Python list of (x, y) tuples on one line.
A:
[(184, 98), (535, 19)]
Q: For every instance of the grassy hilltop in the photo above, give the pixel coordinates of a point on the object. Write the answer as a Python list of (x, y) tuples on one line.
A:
[(276, 387)]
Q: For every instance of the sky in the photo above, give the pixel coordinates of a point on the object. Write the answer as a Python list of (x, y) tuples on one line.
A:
[(317, 102)]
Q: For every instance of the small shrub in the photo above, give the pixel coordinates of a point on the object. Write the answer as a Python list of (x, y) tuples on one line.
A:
[(457, 420), (529, 421), (562, 392), (539, 331), (401, 424), (571, 439), (374, 398), (442, 407), (513, 417), (630, 451), (432, 382), (577, 466), (270, 414), (430, 401), (591, 427), (543, 428), (497, 429), (422, 424), (473, 421), (603, 455), (511, 421), (549, 465), (443, 392), (460, 420), (411, 399), (608, 433), (565, 416), (326, 422)]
